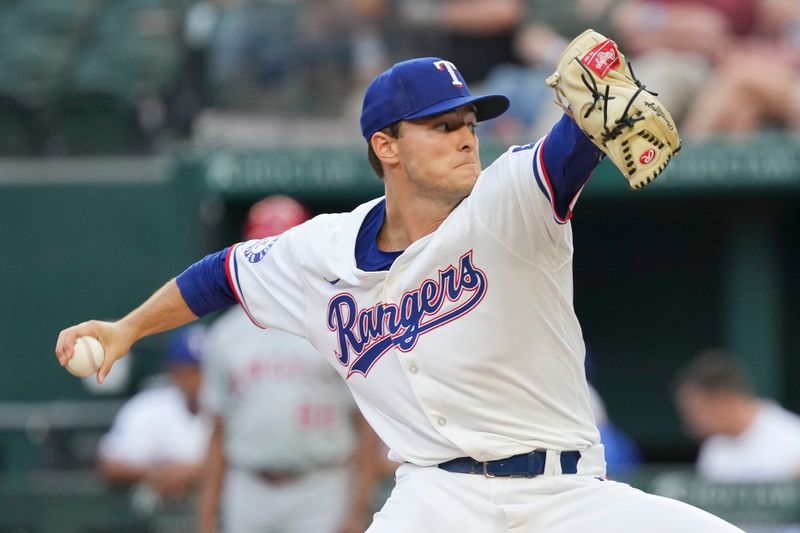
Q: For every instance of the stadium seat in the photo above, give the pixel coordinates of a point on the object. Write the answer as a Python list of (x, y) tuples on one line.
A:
[(20, 129), (31, 65), (56, 17), (133, 67), (96, 123), (87, 65)]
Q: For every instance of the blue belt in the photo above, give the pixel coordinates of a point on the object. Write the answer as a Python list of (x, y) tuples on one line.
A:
[(522, 465)]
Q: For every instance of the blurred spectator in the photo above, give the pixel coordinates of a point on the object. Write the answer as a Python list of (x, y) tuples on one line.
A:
[(546, 29), (674, 44), (476, 35), (549, 26), (289, 452), (705, 27), (285, 56), (369, 21), (756, 83), (723, 67), (90, 78), (158, 439), (744, 438)]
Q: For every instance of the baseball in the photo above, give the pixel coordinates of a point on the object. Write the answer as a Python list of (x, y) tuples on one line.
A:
[(87, 357)]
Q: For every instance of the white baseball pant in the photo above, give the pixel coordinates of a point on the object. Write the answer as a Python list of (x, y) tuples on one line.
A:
[(428, 499)]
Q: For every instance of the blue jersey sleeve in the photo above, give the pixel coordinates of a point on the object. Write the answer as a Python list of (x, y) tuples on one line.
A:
[(569, 158), (204, 285)]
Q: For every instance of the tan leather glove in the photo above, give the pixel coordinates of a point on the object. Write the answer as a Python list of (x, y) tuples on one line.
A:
[(594, 83)]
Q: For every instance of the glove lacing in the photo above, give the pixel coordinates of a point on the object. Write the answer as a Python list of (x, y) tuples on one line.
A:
[(623, 121)]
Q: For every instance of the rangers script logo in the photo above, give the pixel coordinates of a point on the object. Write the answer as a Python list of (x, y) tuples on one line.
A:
[(364, 335)]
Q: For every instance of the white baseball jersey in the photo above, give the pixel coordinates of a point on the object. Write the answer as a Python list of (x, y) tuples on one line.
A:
[(282, 405), (467, 346), (743, 458), (156, 427)]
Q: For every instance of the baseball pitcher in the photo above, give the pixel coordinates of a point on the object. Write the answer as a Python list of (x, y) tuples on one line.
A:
[(446, 305)]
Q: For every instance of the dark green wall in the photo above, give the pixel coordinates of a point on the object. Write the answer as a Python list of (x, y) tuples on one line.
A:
[(653, 286), (92, 246)]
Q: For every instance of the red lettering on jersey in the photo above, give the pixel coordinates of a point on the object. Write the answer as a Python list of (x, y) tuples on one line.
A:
[(311, 416)]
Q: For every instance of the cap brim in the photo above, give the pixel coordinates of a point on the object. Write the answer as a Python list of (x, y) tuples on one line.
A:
[(486, 107)]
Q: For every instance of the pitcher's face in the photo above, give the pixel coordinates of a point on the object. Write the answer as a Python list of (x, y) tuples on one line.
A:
[(440, 154)]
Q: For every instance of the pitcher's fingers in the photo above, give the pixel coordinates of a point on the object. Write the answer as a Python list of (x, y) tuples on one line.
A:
[(66, 344), (62, 359), (104, 370)]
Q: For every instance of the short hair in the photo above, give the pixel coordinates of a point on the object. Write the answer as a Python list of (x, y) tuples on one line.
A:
[(713, 371), (393, 131)]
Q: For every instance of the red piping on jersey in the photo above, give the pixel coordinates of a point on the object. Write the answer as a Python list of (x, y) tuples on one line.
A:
[(552, 198), (228, 258), (549, 185), (228, 273)]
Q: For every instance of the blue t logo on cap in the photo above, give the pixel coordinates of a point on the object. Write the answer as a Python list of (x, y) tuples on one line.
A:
[(420, 88)]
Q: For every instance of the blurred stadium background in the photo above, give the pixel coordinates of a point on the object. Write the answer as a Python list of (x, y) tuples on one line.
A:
[(134, 134)]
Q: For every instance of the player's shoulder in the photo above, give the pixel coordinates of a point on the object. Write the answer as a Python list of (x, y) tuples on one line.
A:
[(514, 165), (518, 157), (332, 223), (330, 236)]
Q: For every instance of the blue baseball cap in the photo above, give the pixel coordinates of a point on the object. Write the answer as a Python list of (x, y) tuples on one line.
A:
[(420, 88), (185, 345)]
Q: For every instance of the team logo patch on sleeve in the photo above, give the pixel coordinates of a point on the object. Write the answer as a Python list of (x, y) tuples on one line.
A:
[(258, 250)]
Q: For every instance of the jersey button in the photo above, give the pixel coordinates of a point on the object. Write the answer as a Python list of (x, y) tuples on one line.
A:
[(413, 369), (441, 421)]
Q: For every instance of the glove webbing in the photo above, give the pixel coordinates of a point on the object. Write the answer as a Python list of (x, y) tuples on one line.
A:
[(624, 121)]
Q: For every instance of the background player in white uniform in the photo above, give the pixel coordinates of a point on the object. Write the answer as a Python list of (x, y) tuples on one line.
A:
[(718, 407), (159, 437), (447, 308), (285, 427)]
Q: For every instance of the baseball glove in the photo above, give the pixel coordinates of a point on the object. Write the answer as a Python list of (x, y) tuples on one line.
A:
[(595, 84)]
